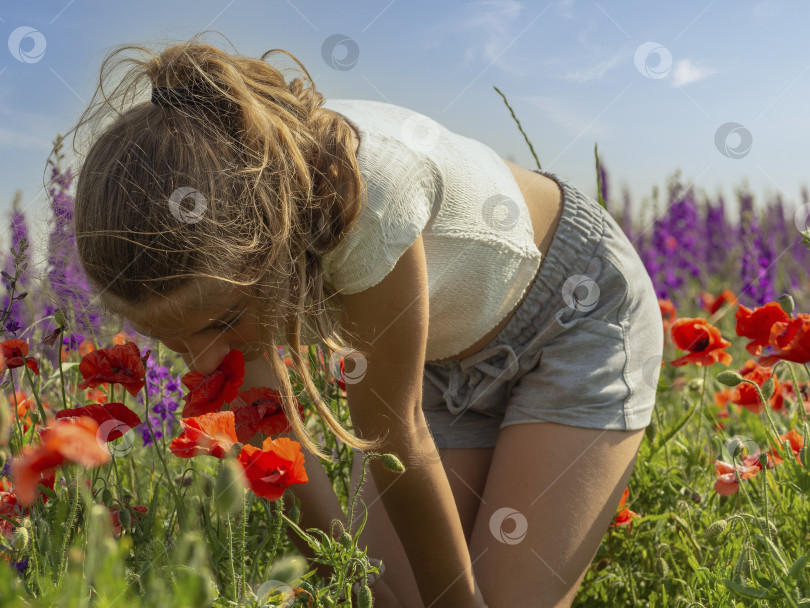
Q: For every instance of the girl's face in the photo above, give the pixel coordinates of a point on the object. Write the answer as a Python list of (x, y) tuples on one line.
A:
[(206, 331)]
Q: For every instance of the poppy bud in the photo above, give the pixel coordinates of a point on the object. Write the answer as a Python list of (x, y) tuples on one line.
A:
[(346, 541), (59, 318), (729, 377), (295, 513), (763, 459), (27, 523), (716, 528), (695, 385), (786, 302), (392, 463), (804, 458), (364, 599), (106, 497), (20, 538), (661, 567), (125, 518), (229, 487)]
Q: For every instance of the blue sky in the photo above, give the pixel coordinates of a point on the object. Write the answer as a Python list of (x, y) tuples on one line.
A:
[(655, 84)]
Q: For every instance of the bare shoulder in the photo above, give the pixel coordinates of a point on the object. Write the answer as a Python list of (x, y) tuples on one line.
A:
[(395, 310)]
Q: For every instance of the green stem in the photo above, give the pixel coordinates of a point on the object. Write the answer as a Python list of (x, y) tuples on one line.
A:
[(178, 501), (774, 430), (512, 112), (35, 392), (242, 552), (702, 392), (230, 556), (61, 373), (74, 506), (797, 392)]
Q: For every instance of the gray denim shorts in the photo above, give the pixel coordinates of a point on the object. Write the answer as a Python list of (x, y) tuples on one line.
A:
[(583, 349)]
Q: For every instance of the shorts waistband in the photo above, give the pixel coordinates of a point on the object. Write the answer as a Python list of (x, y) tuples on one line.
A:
[(573, 246)]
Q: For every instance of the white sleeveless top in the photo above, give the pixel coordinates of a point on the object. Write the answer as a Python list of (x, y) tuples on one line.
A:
[(456, 192)]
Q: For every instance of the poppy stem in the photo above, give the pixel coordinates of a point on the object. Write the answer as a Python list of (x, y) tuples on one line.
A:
[(178, 501), (797, 391), (230, 557), (242, 541), (74, 505), (773, 428), (700, 417), (36, 394), (61, 373)]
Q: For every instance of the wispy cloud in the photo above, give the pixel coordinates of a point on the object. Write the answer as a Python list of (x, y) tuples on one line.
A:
[(685, 72), (486, 28), (563, 113), (594, 72)]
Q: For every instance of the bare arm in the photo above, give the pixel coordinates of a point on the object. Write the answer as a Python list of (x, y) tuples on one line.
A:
[(391, 321)]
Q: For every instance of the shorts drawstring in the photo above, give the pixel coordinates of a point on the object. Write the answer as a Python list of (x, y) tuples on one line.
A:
[(463, 380)]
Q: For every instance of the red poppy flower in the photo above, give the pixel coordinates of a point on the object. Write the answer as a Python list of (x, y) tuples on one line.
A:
[(123, 418), (726, 483), (64, 441), (120, 364), (279, 464), (756, 324), (747, 396), (712, 304), (210, 434), (796, 443), (8, 508), (209, 393), (702, 340), (117, 527), (15, 354), (259, 410), (668, 314), (625, 515), (790, 341)]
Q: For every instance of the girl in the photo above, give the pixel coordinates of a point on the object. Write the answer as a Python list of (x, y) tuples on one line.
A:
[(487, 307)]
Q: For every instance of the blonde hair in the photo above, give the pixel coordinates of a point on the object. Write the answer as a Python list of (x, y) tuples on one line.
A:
[(278, 179)]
